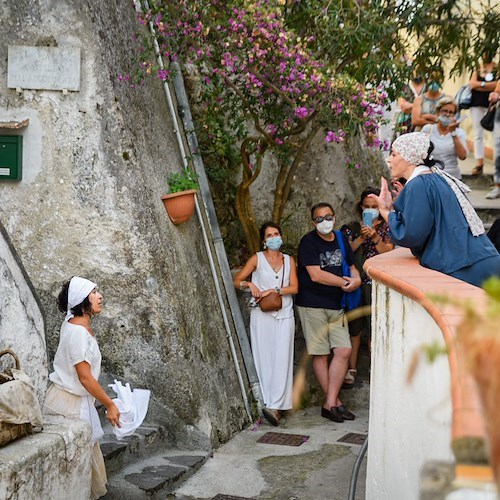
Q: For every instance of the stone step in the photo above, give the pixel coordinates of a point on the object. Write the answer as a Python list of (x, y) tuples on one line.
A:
[(484, 181), (488, 210), (119, 453), (155, 476)]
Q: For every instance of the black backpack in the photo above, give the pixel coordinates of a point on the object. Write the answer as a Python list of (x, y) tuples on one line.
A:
[(494, 234)]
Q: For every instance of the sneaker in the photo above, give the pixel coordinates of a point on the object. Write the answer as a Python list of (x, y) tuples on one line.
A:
[(494, 193)]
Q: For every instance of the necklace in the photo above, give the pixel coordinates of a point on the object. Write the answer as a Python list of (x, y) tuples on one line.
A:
[(275, 266)]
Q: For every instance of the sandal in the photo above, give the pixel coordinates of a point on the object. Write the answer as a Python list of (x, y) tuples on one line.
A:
[(350, 376), (272, 416), (477, 170)]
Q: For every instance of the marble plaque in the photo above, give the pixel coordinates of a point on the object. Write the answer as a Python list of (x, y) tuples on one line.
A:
[(43, 68)]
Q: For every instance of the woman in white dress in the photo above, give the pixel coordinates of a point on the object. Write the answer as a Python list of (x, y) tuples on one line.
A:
[(272, 333), (77, 365)]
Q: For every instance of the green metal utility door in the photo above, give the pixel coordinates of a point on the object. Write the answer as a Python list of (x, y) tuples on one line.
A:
[(11, 157)]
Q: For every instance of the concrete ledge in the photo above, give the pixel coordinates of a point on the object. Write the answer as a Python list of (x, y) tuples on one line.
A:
[(54, 463), (401, 271), (425, 414)]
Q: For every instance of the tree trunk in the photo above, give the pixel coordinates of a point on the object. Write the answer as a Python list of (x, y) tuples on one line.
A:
[(284, 180), (244, 208)]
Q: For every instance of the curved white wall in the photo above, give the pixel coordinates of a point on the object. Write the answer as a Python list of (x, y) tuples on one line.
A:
[(409, 423)]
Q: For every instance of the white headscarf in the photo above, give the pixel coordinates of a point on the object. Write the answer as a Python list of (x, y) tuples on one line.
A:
[(413, 147), (79, 289)]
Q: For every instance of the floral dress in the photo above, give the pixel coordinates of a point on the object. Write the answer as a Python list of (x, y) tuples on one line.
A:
[(367, 249)]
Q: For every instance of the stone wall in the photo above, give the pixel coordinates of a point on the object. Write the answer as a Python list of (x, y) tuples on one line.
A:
[(21, 320), (95, 164), (55, 463), (322, 176)]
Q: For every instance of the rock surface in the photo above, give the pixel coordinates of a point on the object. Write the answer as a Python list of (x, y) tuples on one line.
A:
[(48, 464), (95, 165)]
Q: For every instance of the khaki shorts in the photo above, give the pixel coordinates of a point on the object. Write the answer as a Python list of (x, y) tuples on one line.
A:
[(324, 329)]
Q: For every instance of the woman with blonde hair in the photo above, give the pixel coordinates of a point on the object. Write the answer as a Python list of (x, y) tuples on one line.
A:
[(450, 142)]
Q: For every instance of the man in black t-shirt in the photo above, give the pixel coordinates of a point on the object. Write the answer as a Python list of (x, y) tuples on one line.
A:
[(321, 288)]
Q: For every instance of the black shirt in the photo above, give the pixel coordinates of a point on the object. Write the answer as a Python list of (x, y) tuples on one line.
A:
[(480, 98), (315, 251)]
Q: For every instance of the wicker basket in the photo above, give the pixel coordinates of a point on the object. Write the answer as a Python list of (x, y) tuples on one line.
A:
[(9, 432)]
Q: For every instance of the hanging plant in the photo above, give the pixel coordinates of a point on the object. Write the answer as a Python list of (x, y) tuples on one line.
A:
[(180, 202)]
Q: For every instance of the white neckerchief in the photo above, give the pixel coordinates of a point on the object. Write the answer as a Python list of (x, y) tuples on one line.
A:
[(459, 188), (418, 170)]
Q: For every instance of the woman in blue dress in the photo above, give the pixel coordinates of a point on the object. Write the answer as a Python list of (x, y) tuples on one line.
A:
[(433, 217)]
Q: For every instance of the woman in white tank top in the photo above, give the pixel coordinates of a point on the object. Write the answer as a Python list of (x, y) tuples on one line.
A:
[(272, 333)]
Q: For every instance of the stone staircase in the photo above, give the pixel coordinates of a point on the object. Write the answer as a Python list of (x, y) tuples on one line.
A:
[(481, 185), (488, 210), (144, 466)]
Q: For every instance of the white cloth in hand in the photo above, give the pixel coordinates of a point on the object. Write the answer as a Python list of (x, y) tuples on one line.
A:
[(132, 405)]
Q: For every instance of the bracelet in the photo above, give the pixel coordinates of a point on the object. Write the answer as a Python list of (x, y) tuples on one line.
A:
[(376, 242), (242, 283)]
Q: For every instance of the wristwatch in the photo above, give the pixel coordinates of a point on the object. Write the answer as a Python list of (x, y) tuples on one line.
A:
[(454, 133), (483, 84)]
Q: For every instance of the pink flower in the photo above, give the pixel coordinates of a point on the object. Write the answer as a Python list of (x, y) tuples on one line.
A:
[(301, 112), (333, 137), (163, 74)]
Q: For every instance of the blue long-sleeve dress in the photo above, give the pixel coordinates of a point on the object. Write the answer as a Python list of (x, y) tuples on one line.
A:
[(428, 219)]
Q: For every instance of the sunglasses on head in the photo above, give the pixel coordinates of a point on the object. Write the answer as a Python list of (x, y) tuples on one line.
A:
[(320, 219)]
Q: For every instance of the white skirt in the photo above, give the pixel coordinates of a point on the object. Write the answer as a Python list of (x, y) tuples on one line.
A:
[(272, 349)]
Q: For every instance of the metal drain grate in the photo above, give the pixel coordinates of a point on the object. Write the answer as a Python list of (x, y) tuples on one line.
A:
[(282, 438), (353, 438), (229, 497)]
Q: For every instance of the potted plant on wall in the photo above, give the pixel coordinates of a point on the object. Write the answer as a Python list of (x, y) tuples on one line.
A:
[(179, 202)]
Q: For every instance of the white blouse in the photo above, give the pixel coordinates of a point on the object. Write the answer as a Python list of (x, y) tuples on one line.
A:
[(265, 278), (76, 344)]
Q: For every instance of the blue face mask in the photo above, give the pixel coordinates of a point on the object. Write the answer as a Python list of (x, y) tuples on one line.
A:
[(373, 211), (274, 243), (434, 86), (445, 121)]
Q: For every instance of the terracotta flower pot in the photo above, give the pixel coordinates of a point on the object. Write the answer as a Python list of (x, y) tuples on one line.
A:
[(179, 206)]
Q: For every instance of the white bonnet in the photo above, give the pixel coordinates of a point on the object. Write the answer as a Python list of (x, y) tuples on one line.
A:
[(413, 147)]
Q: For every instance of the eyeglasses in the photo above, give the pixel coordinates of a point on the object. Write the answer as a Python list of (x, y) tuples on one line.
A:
[(447, 113), (320, 219)]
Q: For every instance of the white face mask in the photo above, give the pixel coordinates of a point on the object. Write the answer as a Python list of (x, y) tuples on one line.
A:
[(325, 227)]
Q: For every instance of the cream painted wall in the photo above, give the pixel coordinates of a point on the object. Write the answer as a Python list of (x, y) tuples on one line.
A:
[(410, 423)]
